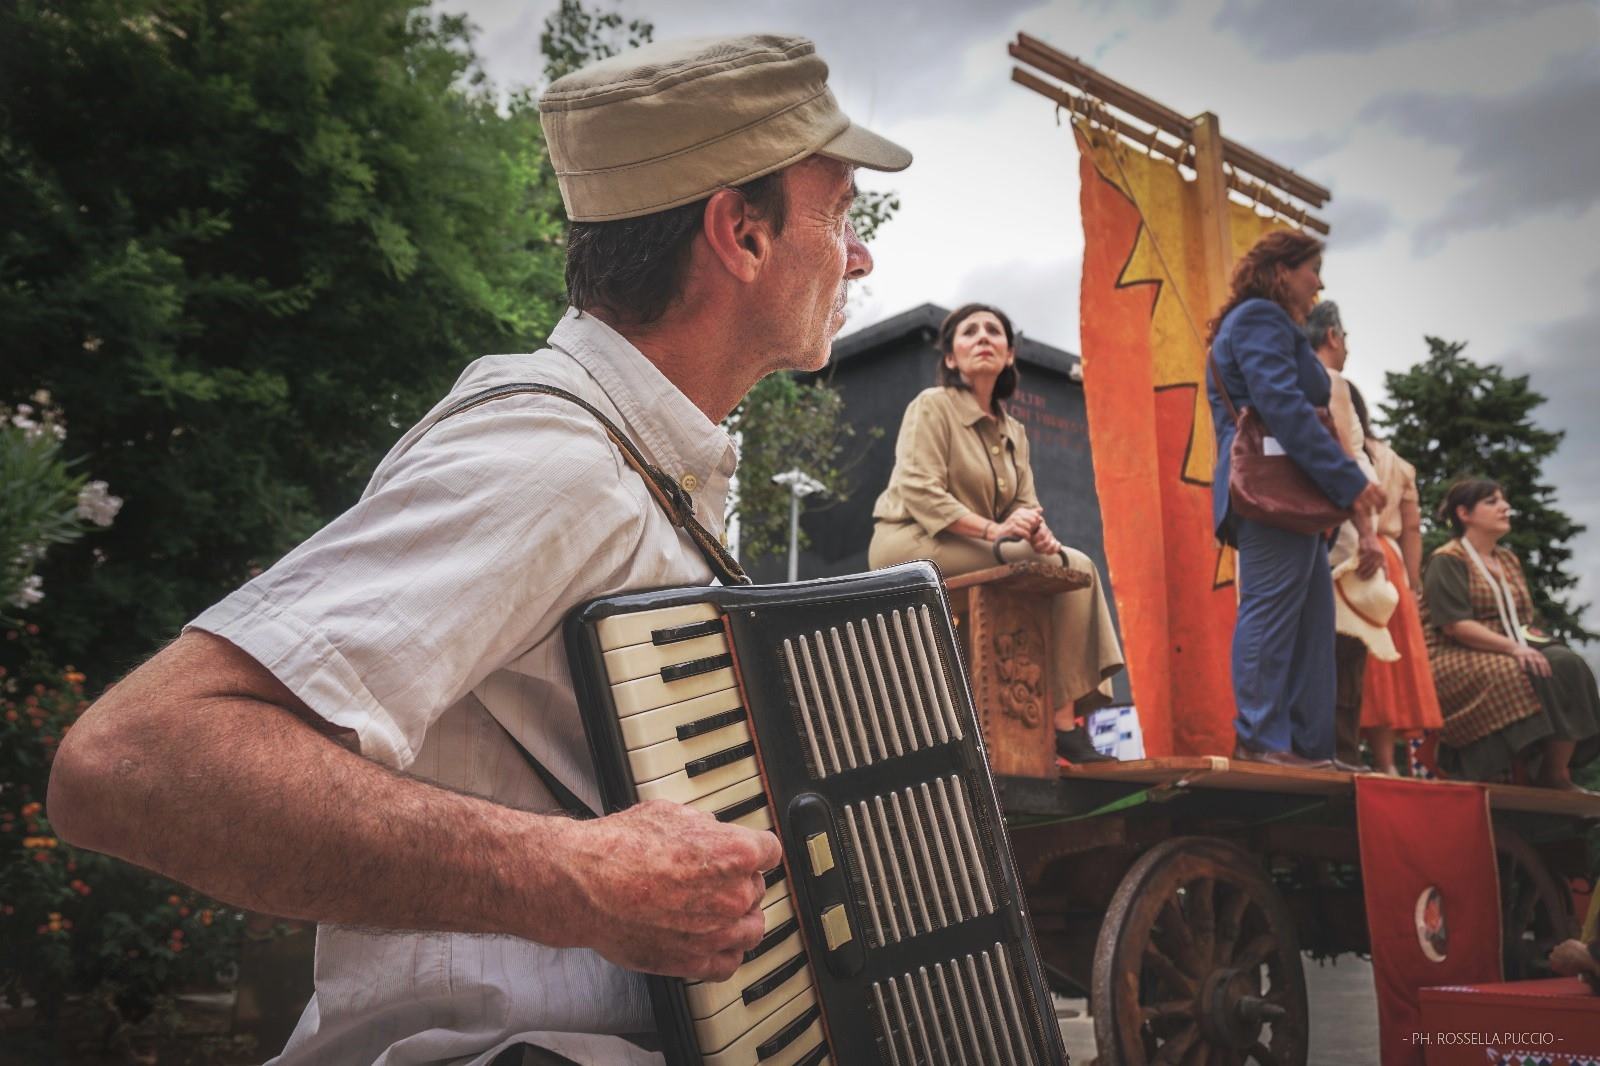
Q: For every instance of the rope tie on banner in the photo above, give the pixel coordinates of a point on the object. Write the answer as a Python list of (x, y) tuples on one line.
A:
[(1150, 142)]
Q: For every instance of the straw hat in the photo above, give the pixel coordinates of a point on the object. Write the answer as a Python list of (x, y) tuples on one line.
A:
[(1362, 608), (672, 122)]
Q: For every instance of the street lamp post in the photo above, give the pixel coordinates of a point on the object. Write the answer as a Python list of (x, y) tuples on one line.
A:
[(800, 484)]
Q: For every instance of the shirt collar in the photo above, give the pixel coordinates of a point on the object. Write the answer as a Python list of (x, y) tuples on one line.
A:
[(970, 414), (677, 435)]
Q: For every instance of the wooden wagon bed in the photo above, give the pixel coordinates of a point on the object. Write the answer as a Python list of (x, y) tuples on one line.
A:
[(1216, 772)]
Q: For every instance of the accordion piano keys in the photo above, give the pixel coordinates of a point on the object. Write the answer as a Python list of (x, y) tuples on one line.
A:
[(788, 1036)]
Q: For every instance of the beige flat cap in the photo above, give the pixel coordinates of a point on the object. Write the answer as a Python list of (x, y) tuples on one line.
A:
[(671, 123)]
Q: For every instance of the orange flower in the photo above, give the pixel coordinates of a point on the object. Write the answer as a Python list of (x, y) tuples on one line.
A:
[(173, 900), (31, 809), (205, 917)]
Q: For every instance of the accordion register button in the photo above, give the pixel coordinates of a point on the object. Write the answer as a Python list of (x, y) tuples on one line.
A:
[(821, 853), (836, 927)]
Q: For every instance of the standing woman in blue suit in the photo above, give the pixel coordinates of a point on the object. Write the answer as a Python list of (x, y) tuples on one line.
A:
[(1283, 642)]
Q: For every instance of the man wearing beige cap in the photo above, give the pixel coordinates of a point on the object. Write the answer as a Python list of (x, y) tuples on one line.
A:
[(358, 735)]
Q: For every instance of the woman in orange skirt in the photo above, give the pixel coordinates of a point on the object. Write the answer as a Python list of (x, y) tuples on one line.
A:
[(1399, 698)]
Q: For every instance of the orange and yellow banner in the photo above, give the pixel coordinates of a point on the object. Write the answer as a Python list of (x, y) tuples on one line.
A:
[(1145, 304)]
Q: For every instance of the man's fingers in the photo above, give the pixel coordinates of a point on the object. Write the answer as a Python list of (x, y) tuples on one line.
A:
[(768, 853)]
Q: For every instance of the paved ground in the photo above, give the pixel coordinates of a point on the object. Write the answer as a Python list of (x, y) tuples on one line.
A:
[(1344, 1016)]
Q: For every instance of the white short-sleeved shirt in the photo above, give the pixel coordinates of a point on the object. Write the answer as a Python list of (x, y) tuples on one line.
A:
[(428, 616)]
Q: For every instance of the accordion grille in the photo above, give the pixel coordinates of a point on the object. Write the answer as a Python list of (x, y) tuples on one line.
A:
[(961, 1011), (869, 690)]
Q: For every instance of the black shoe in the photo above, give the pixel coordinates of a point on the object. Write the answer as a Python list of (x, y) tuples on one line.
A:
[(1073, 745)]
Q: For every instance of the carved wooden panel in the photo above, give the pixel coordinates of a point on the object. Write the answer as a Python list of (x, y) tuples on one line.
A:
[(1007, 636)]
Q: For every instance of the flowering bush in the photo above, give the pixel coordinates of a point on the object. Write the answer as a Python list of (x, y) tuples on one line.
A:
[(44, 502), (75, 922)]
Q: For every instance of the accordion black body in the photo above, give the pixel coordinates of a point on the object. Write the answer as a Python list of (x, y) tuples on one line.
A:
[(836, 713)]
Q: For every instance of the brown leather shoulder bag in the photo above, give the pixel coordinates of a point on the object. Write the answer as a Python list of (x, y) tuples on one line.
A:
[(1272, 489)]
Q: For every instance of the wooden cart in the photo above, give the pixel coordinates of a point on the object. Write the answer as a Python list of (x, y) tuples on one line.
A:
[(1177, 894)]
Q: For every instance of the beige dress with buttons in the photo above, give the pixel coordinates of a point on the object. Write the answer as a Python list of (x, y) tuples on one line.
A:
[(952, 459)]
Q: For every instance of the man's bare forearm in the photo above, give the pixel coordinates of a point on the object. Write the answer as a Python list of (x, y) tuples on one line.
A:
[(214, 783)]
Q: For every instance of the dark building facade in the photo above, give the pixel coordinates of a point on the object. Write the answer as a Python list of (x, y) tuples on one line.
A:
[(878, 370)]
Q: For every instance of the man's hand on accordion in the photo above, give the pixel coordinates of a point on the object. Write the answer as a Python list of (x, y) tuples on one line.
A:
[(670, 889)]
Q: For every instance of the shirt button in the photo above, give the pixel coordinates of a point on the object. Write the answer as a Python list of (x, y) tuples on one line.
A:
[(994, 449), (689, 482), (1002, 484)]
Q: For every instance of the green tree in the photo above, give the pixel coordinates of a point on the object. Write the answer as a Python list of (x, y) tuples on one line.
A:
[(786, 423), (1454, 418), (243, 243), (575, 36)]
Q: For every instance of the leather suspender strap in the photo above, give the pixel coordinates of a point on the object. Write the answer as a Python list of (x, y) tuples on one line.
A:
[(668, 494), (563, 795)]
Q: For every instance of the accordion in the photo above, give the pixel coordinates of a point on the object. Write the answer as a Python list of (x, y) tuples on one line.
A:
[(835, 713)]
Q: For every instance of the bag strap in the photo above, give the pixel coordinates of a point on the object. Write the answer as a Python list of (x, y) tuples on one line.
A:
[(668, 493), (1222, 387)]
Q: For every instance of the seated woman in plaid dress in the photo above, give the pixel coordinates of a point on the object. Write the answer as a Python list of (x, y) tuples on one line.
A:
[(1508, 693)]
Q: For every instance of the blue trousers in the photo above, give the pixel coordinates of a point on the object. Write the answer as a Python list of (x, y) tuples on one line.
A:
[(1283, 655)]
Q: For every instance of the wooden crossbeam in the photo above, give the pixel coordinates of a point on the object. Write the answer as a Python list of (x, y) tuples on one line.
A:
[(1272, 179), (1257, 190)]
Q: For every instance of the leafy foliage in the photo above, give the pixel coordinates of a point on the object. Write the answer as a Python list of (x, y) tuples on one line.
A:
[(871, 211), (76, 922), (785, 424), (575, 36), (1454, 418), (244, 242)]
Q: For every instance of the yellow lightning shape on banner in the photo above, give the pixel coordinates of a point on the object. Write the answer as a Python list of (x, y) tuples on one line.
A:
[(1169, 253)]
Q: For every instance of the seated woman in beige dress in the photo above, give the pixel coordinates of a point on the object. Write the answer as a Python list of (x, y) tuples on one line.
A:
[(962, 484), (1508, 695)]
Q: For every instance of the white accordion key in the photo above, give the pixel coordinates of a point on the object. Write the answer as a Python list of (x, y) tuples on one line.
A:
[(648, 693), (696, 756), (681, 788), (702, 714), (742, 804), (780, 1039), (780, 949), (725, 1026), (640, 627), (644, 660)]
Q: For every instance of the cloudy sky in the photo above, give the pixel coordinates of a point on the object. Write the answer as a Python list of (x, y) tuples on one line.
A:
[(1461, 139)]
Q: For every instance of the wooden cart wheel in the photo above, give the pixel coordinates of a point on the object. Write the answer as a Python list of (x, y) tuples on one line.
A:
[(1198, 964), (1535, 910)]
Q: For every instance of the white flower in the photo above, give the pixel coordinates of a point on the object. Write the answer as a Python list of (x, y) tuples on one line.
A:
[(31, 592), (42, 397), (97, 505)]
